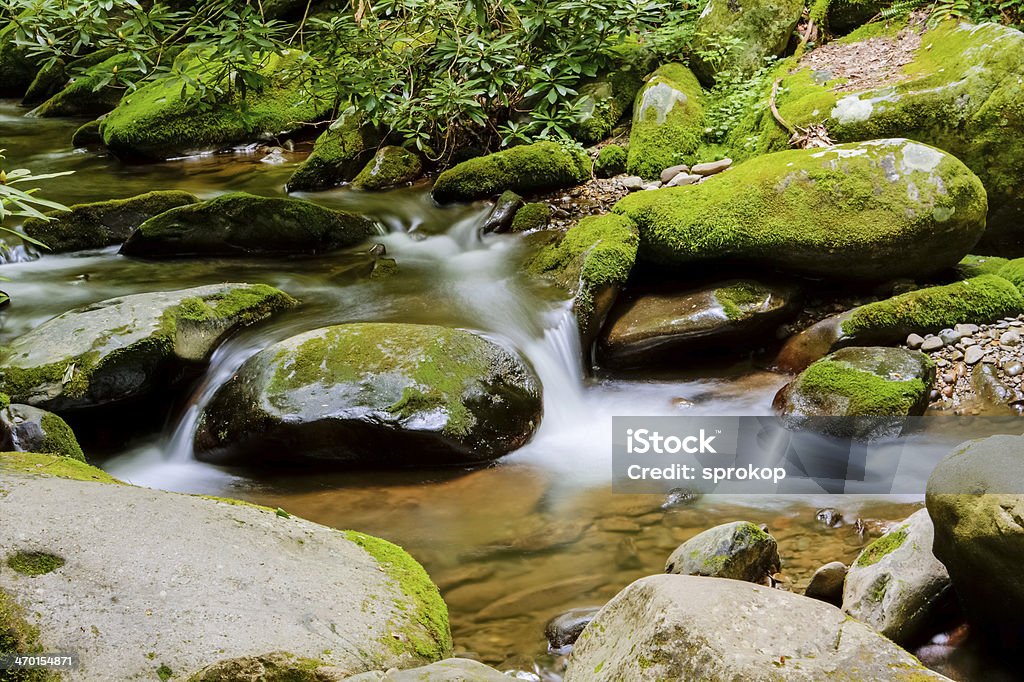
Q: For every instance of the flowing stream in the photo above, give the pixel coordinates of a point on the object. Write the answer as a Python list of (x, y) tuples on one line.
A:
[(511, 545)]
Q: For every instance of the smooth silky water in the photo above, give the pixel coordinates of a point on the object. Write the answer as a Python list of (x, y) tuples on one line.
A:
[(511, 545)]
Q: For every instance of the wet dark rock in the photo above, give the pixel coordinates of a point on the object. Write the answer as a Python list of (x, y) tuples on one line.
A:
[(827, 583), (651, 327), (829, 516), (374, 394), (504, 212), (987, 385), (563, 629), (738, 550)]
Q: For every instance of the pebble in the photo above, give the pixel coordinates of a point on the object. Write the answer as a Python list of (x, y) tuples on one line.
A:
[(673, 171), (914, 341), (683, 179), (966, 329), (967, 341), (633, 183), (932, 344), (712, 167), (949, 336), (974, 354), (1010, 338), (1013, 368)]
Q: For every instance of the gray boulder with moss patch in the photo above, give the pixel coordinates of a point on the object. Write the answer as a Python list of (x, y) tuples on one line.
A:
[(678, 627), (961, 91), (741, 35), (24, 428), (656, 326), (979, 300), (205, 580), (873, 389), (450, 670), (897, 586), (390, 167), (380, 394), (124, 347), (738, 550), (605, 99), (592, 262), (338, 155), (526, 169), (975, 497), (868, 211), (668, 122), (102, 223), (240, 224)]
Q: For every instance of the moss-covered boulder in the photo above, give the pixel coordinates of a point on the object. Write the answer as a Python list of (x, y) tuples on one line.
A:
[(338, 155), (661, 325), (874, 389), (1014, 272), (532, 216), (739, 35), (390, 167), (975, 498), (739, 550), (611, 161), (16, 70), (525, 169), (867, 211), (373, 394), (961, 92), (99, 224), (604, 100), (24, 428), (241, 579), (592, 262), (50, 79), (87, 135), (681, 627), (240, 224), (897, 586), (121, 348), (163, 119), (972, 266), (668, 122), (86, 94), (979, 300)]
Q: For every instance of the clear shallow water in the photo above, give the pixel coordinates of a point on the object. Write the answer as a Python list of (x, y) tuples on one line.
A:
[(512, 545)]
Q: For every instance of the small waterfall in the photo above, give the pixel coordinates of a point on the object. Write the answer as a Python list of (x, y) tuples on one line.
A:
[(17, 253)]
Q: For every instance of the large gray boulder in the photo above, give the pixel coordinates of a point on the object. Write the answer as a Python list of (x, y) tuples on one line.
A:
[(738, 550), (674, 627), (121, 348), (139, 580), (24, 428), (374, 394), (897, 586), (240, 224), (975, 497)]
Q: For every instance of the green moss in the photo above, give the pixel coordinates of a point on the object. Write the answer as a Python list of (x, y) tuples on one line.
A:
[(5, 401), (604, 100), (741, 35), (34, 563), (16, 70), (242, 305), (532, 216), (338, 154), (868, 393), (972, 266), (978, 300), (611, 161), (390, 167), (736, 297), (18, 636), (1013, 271), (98, 224), (668, 122), (834, 213), (86, 95), (59, 439), (525, 169), (881, 547), (426, 614), (48, 82), (158, 120), (53, 465), (164, 672)]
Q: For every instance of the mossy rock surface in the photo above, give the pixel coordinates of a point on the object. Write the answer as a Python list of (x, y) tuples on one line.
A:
[(532, 216), (24, 428), (739, 550), (240, 224), (867, 211), (372, 606), (102, 223), (657, 326), (750, 31), (16, 70), (591, 262), (47, 464), (681, 627), (374, 394), (390, 167), (611, 161), (122, 348), (338, 155), (84, 95), (872, 388), (960, 93), (87, 135), (158, 121), (526, 169), (607, 98), (668, 122), (50, 79), (973, 266)]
